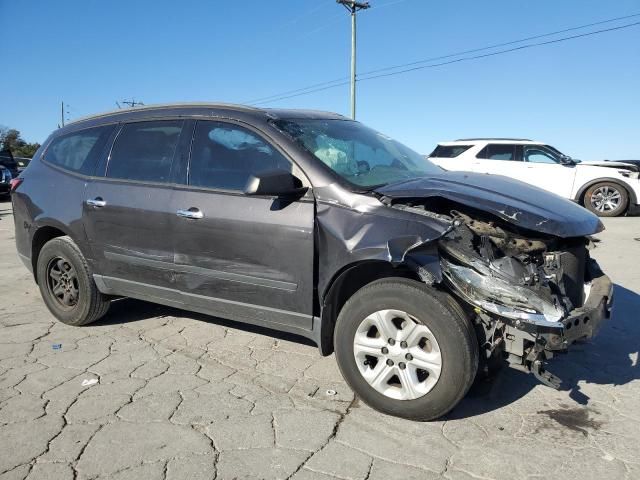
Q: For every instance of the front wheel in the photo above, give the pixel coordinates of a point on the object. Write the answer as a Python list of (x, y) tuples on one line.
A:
[(406, 349), (606, 199)]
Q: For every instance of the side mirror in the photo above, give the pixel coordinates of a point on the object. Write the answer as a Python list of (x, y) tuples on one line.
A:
[(567, 160), (277, 183)]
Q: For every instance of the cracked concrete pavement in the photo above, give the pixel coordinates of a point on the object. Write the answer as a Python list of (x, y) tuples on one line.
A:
[(182, 395)]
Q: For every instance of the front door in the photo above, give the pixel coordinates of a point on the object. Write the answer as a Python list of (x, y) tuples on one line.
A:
[(544, 169), (128, 214), (244, 257)]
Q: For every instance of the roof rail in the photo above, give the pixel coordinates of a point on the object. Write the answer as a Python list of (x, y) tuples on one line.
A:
[(162, 106), (494, 138)]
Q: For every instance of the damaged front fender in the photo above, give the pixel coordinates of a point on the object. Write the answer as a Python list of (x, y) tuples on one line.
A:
[(359, 239), (368, 230)]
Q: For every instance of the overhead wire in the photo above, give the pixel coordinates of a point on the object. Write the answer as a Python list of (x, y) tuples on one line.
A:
[(368, 75)]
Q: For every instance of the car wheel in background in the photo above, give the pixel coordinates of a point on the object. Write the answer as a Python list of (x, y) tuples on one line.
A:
[(606, 199), (406, 349), (66, 285)]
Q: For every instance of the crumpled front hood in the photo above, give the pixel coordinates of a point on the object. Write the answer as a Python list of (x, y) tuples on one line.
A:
[(516, 202)]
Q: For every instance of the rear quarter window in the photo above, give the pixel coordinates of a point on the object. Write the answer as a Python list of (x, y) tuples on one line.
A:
[(449, 151), (79, 151)]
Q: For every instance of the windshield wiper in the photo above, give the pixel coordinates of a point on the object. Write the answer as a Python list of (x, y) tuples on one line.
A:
[(400, 182), (395, 183), (372, 188)]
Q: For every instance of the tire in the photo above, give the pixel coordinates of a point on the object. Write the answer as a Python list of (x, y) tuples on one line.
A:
[(617, 195), (82, 303), (445, 321)]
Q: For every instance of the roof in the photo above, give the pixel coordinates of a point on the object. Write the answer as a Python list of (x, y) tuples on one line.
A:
[(186, 107)]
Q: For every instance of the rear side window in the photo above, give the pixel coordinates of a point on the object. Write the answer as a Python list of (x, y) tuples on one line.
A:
[(449, 151), (79, 151), (225, 155), (497, 151), (144, 151)]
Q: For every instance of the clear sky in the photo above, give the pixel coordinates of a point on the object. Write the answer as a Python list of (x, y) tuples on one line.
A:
[(583, 96)]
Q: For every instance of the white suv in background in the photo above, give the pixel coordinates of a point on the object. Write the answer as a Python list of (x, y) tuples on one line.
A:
[(608, 189)]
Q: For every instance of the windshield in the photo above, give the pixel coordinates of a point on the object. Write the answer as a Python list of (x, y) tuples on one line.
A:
[(358, 154)]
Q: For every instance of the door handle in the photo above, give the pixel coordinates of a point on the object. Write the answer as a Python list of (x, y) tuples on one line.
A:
[(96, 202), (193, 213)]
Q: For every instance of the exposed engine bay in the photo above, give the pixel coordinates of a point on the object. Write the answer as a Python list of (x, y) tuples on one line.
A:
[(530, 294)]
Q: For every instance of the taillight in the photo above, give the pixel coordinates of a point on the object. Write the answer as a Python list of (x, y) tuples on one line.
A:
[(15, 183)]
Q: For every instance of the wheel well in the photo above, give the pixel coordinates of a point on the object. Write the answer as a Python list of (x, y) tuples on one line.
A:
[(42, 236), (345, 284), (583, 190)]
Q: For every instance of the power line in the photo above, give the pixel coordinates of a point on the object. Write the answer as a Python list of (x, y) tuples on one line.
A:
[(500, 52), (335, 18), (303, 93), (498, 45), (341, 81), (373, 7), (308, 13), (257, 101), (367, 75), (388, 4)]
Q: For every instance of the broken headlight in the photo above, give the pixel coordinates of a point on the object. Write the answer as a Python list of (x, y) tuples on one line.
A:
[(500, 297)]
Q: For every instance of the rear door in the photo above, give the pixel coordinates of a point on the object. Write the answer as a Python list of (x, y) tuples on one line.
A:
[(248, 258), (499, 159), (128, 210)]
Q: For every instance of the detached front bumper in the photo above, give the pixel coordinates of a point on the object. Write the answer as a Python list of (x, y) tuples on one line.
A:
[(529, 350), (584, 322)]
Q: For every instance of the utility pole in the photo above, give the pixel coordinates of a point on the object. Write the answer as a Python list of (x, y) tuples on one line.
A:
[(62, 114), (353, 7)]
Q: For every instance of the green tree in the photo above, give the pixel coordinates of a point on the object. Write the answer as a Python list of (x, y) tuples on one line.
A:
[(10, 140)]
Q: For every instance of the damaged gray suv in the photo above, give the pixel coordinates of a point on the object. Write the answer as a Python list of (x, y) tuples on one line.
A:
[(313, 224)]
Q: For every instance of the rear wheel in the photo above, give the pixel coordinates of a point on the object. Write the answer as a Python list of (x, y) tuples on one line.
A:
[(606, 199), (406, 349), (66, 285)]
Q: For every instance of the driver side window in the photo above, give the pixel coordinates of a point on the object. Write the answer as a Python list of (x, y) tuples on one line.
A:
[(537, 155), (224, 155)]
